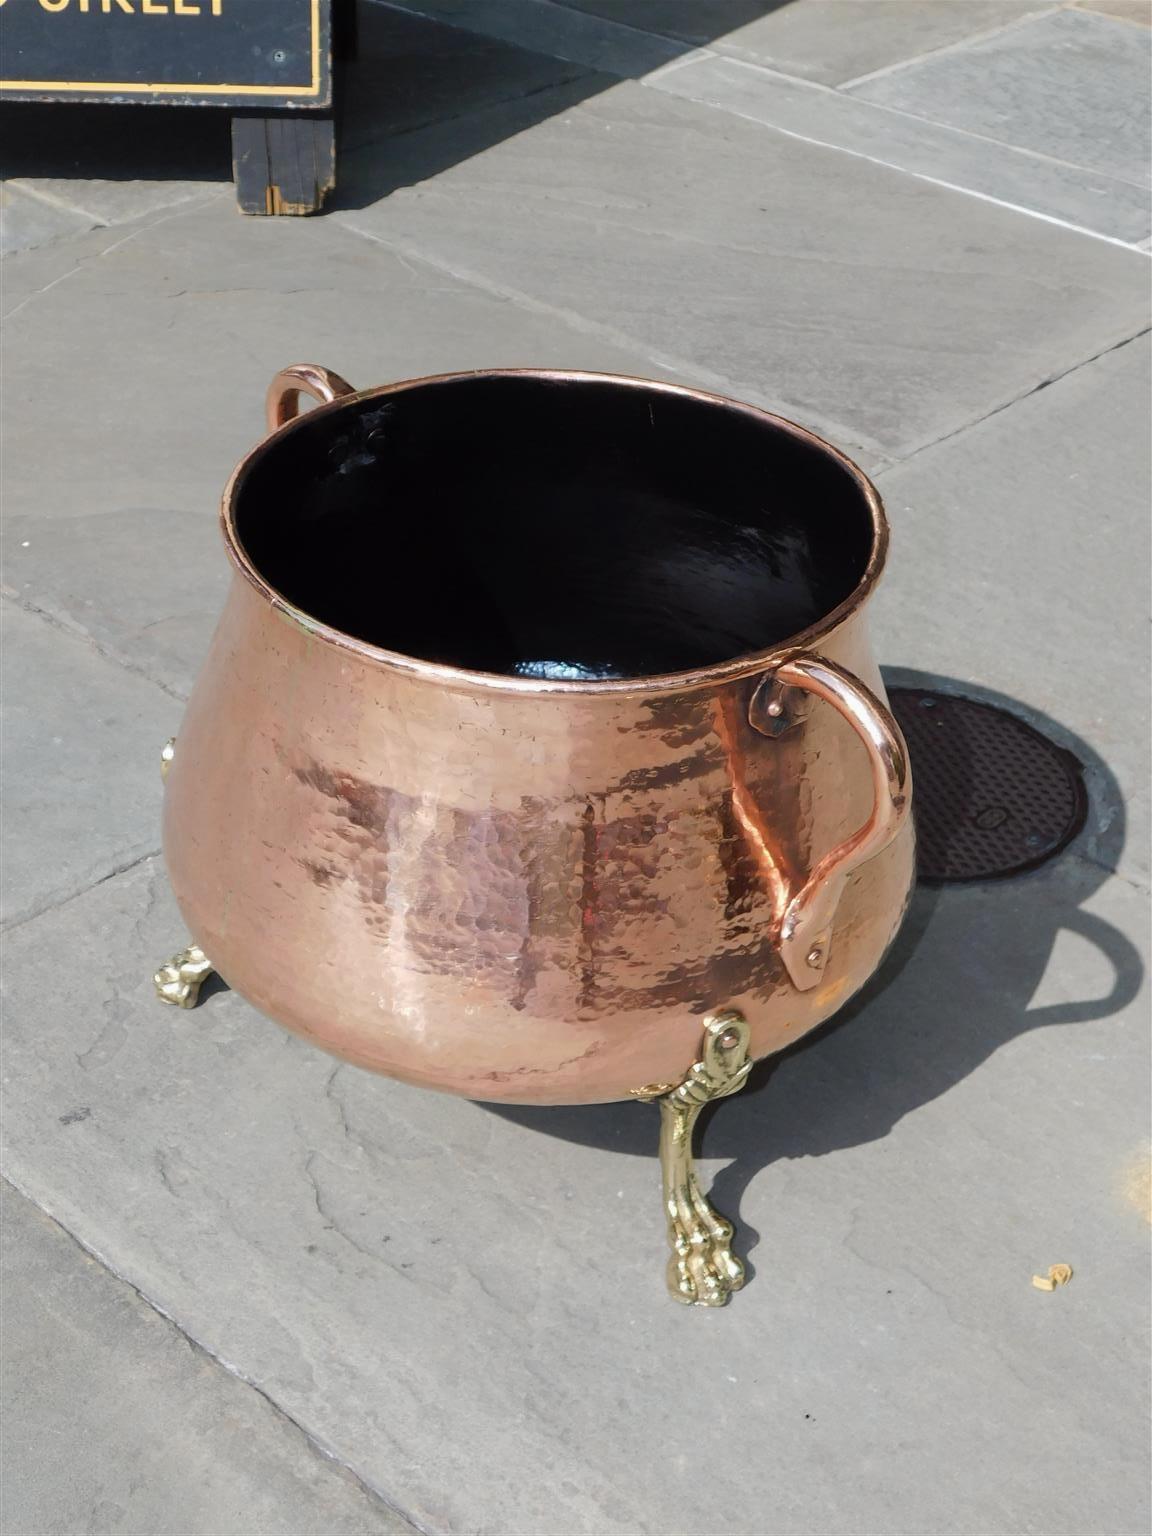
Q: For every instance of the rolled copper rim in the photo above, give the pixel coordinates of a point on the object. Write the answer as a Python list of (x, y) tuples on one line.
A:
[(752, 663)]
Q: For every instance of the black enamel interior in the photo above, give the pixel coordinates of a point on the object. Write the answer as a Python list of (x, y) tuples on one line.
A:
[(554, 528)]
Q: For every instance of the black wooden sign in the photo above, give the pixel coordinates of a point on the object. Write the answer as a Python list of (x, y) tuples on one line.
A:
[(248, 53)]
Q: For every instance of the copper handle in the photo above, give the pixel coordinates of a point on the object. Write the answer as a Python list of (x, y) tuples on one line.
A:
[(806, 924), (283, 402)]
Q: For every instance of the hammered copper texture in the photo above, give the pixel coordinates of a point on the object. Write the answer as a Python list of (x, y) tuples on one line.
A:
[(507, 889)]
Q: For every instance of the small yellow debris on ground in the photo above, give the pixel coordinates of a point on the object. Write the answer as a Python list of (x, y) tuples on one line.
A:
[(1138, 1185), (1058, 1274)]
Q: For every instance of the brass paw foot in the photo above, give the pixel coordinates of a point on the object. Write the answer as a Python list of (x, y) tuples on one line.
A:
[(179, 981), (702, 1270)]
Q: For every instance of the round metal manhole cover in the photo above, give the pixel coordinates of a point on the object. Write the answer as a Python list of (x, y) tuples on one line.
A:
[(991, 795)]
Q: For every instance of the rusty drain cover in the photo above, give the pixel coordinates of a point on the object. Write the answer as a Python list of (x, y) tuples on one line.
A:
[(992, 796)]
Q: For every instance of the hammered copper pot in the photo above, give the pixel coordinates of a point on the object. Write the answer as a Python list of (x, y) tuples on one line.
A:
[(540, 755)]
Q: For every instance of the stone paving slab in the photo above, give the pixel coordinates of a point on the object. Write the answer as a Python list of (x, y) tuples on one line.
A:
[(737, 81), (1019, 560), (117, 202), (73, 568), (826, 40), (114, 531), (1139, 11), (1068, 194), (410, 72), (27, 273), (784, 278), (27, 221), (1071, 85), (466, 1306), (561, 31), (114, 1422), (81, 743)]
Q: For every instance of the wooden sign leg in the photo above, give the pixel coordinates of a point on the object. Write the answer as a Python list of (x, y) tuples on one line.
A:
[(284, 164)]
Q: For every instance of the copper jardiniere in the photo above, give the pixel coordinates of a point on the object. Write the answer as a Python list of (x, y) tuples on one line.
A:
[(533, 879)]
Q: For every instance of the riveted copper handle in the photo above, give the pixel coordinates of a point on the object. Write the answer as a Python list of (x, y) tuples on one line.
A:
[(806, 924), (283, 402)]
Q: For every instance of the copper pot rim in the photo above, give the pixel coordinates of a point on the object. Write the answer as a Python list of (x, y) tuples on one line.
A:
[(750, 664)]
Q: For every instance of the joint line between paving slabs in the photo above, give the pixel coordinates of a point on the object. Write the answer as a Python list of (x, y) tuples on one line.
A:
[(586, 326), (601, 27), (689, 369), (184, 210), (83, 638), (997, 410), (54, 903), (194, 1344), (690, 54), (878, 109), (28, 186), (956, 46), (892, 165), (579, 72)]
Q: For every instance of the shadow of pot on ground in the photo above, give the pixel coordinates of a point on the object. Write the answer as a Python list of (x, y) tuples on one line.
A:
[(957, 985)]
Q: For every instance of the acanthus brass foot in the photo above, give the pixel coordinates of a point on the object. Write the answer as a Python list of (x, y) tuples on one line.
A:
[(179, 981), (702, 1270)]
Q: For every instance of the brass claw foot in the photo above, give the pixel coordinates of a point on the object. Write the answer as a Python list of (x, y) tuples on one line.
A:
[(179, 981), (702, 1270)]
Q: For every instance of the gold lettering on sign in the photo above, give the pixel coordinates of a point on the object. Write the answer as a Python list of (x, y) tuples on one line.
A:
[(146, 7)]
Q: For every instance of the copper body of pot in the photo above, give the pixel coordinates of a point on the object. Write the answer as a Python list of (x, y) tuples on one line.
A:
[(529, 888)]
